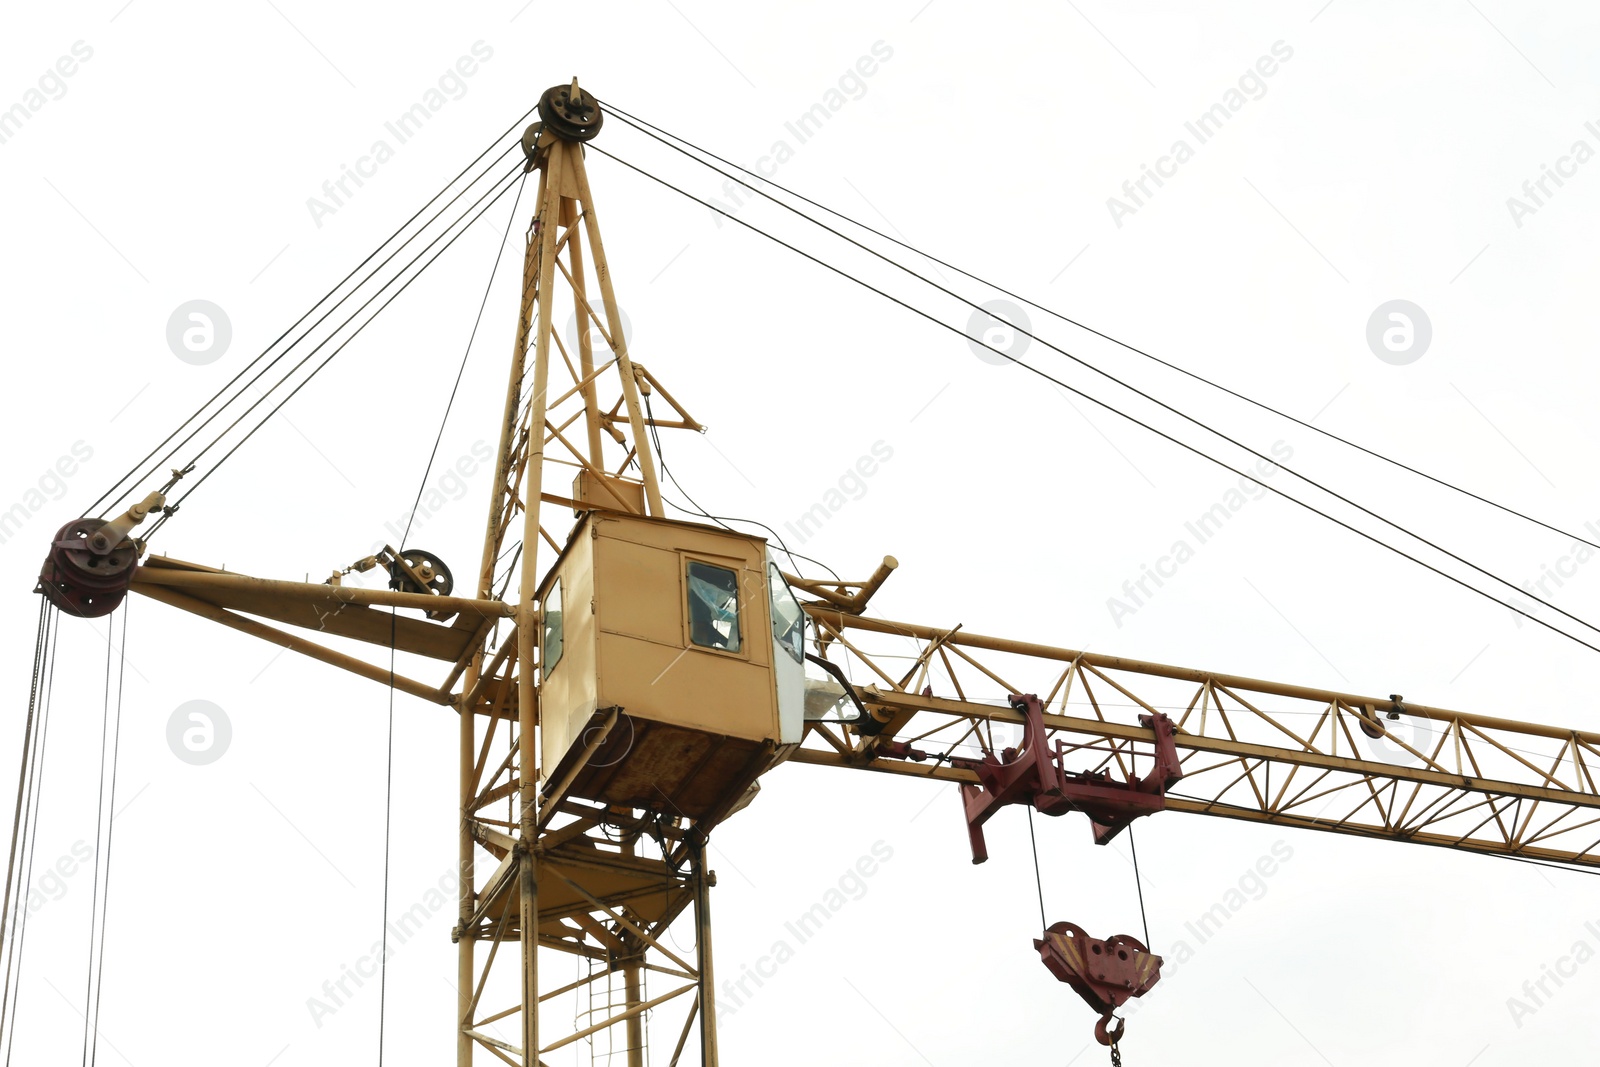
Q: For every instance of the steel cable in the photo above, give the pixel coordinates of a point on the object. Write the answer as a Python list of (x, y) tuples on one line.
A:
[(133, 471), (1126, 385), (1103, 404), (635, 121), (504, 188)]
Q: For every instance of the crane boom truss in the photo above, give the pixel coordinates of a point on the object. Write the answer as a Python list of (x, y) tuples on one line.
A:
[(1251, 749)]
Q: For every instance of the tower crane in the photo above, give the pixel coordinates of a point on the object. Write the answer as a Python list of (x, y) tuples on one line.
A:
[(648, 672)]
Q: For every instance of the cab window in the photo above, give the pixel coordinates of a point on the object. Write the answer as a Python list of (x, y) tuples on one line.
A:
[(713, 606), (788, 621), (550, 650)]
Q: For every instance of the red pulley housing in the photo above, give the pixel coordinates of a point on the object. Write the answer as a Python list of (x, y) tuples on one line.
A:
[(1106, 974), (83, 582)]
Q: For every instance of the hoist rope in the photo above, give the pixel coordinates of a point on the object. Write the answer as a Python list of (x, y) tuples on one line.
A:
[(637, 123), (504, 187), (1142, 393), (1104, 405), (99, 829), (428, 469), (134, 470), (1138, 883), (41, 630), (388, 787), (102, 881), (388, 811), (18, 935), (8, 924), (1038, 878)]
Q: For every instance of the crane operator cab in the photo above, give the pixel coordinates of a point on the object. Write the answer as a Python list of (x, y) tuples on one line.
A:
[(693, 636)]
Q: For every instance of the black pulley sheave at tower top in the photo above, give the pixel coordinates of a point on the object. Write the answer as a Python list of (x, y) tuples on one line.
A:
[(571, 113)]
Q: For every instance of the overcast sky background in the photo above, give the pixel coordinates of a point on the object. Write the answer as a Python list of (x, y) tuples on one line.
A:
[(1373, 164)]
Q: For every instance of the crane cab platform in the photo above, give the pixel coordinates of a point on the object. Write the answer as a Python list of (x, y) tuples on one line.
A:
[(692, 636)]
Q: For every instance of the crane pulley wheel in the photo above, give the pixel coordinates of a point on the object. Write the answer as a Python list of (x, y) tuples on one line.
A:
[(423, 572), (570, 117), (83, 582)]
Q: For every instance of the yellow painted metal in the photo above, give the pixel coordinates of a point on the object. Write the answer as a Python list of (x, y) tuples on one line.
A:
[(604, 491), (294, 642), (336, 609), (611, 854), (700, 723), (627, 633), (1251, 749)]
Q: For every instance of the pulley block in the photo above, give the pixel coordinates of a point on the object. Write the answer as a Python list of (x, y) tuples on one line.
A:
[(570, 113), (416, 570), (81, 581), (1106, 974)]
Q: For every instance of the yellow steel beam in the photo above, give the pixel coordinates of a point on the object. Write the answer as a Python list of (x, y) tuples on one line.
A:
[(1251, 749)]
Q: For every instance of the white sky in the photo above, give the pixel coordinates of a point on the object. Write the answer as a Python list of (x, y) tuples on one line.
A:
[(175, 164)]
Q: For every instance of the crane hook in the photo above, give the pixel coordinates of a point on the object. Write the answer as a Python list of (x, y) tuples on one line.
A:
[(1110, 1035)]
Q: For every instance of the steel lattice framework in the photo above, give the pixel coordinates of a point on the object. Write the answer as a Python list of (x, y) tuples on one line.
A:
[(1254, 750), (605, 883)]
